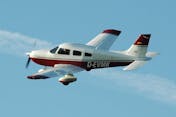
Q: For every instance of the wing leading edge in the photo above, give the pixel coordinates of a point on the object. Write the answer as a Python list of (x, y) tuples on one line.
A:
[(57, 70), (105, 39)]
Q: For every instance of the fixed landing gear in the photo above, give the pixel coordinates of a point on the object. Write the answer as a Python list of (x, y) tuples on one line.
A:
[(67, 79), (65, 83)]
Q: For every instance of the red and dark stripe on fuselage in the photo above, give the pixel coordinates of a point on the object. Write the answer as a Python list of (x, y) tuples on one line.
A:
[(87, 65)]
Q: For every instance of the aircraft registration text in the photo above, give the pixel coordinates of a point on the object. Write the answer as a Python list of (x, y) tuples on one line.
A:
[(98, 64)]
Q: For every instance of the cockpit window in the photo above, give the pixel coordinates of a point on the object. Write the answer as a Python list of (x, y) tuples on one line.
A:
[(54, 50), (64, 51), (88, 54), (76, 53)]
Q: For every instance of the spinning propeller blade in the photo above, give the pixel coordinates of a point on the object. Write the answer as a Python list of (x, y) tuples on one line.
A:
[(27, 63)]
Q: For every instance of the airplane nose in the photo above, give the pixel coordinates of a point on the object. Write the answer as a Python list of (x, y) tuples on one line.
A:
[(28, 54), (37, 53), (32, 54)]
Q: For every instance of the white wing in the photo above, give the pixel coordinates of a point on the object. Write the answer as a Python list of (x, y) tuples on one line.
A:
[(105, 39), (57, 70)]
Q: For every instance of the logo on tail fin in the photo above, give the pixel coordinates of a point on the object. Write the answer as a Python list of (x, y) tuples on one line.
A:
[(139, 43), (146, 37), (143, 39)]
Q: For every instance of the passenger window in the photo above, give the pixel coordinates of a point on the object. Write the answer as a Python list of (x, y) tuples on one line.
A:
[(64, 51), (54, 50), (76, 53), (88, 54)]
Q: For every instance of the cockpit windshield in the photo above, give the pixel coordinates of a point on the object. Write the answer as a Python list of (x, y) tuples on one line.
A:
[(64, 51), (54, 50)]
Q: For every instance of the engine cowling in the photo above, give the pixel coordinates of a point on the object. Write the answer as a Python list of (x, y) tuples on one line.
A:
[(65, 80)]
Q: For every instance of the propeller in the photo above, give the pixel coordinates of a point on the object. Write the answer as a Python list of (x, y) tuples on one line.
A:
[(28, 54), (29, 59), (27, 63)]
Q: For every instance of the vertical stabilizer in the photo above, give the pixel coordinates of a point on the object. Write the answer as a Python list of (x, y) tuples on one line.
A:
[(139, 48)]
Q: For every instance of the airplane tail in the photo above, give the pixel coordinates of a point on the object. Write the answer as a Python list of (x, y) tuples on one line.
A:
[(139, 48), (139, 51)]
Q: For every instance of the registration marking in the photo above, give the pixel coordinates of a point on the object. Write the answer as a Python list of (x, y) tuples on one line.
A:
[(98, 64)]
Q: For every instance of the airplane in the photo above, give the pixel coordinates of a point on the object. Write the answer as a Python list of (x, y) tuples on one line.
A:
[(69, 58)]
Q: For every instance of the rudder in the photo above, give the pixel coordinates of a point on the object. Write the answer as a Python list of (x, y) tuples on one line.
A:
[(139, 48)]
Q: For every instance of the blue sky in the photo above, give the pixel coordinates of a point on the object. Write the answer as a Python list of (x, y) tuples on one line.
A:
[(149, 91)]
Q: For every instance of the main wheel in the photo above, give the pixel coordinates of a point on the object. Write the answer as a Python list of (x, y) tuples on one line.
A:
[(65, 83)]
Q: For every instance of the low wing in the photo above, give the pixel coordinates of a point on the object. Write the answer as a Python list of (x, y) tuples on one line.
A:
[(105, 39), (57, 70)]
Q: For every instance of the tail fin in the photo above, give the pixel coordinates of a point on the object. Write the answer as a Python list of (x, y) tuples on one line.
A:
[(139, 48)]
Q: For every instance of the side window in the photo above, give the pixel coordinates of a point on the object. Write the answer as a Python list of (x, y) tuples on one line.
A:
[(54, 50), (64, 51), (76, 53), (88, 54)]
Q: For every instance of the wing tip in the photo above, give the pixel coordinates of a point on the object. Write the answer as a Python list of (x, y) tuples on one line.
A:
[(37, 77), (112, 31)]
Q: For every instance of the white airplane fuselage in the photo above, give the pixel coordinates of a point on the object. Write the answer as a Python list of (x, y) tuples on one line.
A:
[(69, 58), (84, 56)]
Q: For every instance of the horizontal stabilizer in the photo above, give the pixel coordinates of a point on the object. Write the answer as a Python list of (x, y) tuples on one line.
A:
[(135, 65), (151, 54)]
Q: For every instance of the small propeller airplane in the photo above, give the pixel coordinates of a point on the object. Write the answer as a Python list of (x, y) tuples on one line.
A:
[(69, 58)]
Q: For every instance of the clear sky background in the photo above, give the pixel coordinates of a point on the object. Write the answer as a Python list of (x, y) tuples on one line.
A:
[(146, 92)]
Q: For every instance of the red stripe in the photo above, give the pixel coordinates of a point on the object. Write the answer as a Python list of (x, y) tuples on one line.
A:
[(112, 31), (81, 64), (47, 62)]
